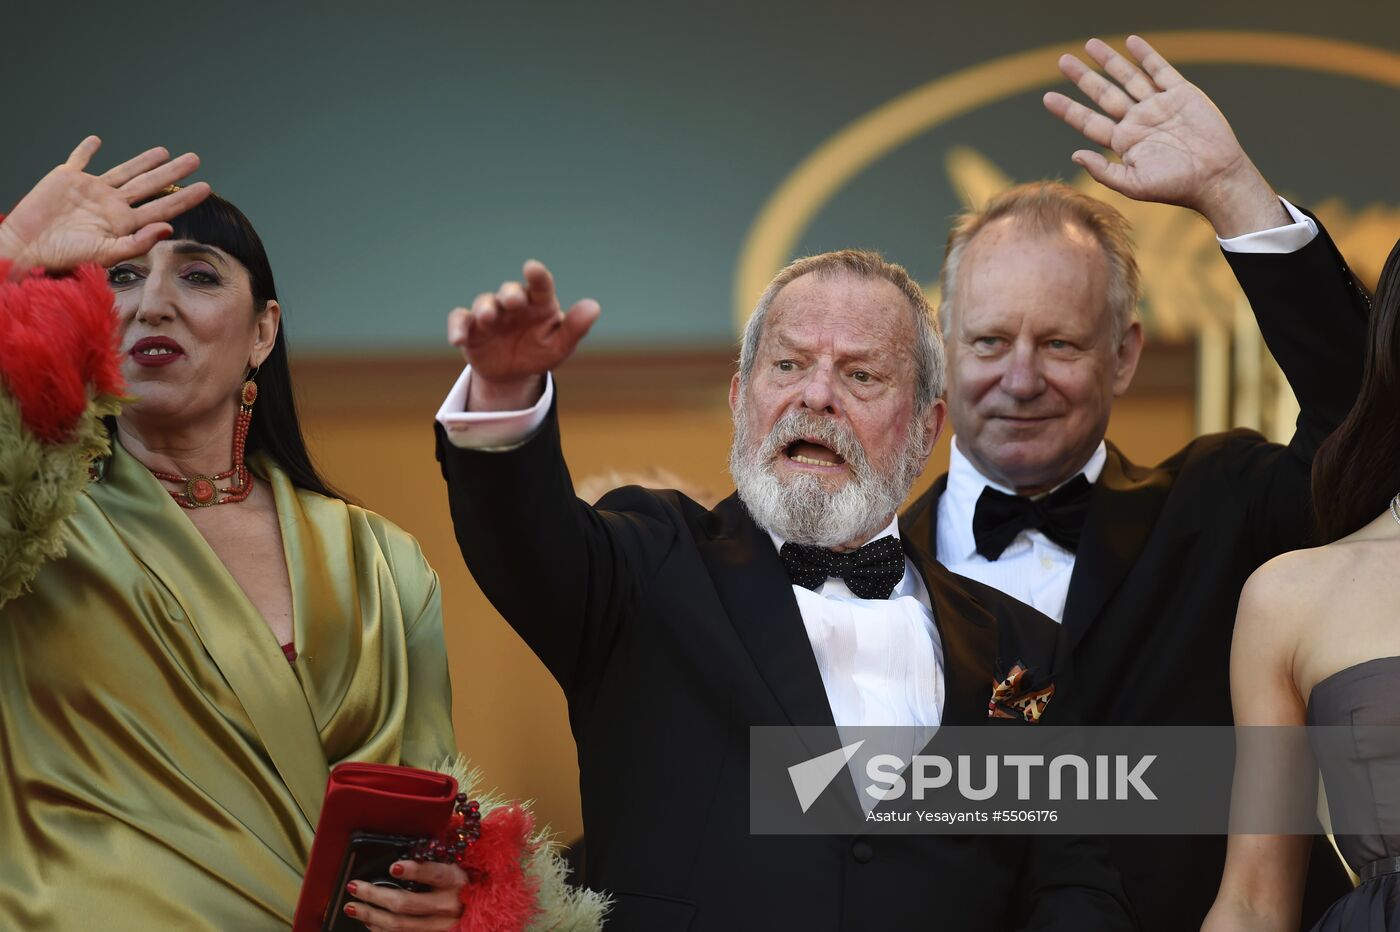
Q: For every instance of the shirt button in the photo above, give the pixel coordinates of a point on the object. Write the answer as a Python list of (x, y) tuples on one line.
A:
[(862, 852), (1047, 563)]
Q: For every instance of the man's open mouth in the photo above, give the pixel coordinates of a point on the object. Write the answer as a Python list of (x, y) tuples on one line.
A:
[(812, 453)]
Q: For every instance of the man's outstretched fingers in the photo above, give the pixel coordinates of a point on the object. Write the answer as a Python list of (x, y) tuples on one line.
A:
[(80, 156), (1107, 173), (539, 283), (459, 322), (1163, 74), (1127, 74), (1096, 87), (485, 310), (511, 296), (1096, 127), (580, 319)]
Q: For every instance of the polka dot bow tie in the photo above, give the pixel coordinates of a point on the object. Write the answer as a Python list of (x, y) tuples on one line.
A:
[(871, 572)]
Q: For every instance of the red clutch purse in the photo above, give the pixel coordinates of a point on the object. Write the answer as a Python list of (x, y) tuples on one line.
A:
[(379, 798)]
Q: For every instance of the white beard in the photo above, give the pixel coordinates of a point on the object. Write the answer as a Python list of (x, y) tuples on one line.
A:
[(801, 509)]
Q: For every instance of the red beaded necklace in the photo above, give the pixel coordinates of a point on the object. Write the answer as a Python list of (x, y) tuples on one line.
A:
[(202, 491)]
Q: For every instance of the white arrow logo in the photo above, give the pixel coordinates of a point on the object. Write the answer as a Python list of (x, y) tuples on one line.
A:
[(811, 777)]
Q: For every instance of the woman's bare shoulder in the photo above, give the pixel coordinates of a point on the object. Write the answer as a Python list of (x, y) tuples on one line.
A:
[(1293, 583), (1297, 604)]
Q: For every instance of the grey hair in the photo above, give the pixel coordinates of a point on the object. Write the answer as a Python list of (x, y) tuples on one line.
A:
[(1045, 207), (929, 363)]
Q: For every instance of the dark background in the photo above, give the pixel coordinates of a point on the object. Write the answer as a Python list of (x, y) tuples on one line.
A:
[(399, 159)]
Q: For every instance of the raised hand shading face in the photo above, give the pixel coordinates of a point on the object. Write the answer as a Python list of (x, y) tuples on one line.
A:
[(826, 443), (1033, 361), (189, 330)]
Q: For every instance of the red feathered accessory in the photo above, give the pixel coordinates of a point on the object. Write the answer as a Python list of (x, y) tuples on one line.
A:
[(499, 896), (58, 341)]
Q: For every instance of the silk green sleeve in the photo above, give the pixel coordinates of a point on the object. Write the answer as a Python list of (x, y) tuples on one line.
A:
[(428, 737)]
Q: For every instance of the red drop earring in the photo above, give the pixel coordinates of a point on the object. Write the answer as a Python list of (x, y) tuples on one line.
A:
[(203, 491)]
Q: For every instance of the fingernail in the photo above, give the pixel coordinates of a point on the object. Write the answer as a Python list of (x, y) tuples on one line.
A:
[(350, 909), (350, 888), (396, 870)]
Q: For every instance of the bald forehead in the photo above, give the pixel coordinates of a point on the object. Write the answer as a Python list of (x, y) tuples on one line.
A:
[(1008, 269), (1013, 231), (823, 306), (853, 318)]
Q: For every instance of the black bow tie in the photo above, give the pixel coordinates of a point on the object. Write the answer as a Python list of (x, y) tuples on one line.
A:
[(1059, 516), (871, 571)]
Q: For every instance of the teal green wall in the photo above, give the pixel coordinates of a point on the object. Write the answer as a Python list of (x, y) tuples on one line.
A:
[(400, 158)]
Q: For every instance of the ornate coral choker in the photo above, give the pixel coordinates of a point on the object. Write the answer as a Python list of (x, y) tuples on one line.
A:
[(203, 491)]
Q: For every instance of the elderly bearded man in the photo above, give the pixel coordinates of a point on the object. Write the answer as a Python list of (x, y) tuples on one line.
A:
[(1142, 565), (672, 628)]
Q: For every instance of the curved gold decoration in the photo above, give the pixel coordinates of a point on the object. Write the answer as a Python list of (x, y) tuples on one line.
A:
[(809, 187)]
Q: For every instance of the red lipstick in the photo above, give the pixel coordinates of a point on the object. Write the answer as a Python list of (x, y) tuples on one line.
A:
[(155, 351)]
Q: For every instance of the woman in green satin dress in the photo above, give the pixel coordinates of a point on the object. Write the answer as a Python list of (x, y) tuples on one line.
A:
[(175, 687)]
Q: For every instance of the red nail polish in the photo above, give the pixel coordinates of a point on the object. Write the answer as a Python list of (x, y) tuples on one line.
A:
[(396, 870), (350, 910), (350, 888)]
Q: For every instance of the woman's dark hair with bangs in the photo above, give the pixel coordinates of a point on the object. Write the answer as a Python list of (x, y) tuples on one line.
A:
[(275, 429), (1357, 468)]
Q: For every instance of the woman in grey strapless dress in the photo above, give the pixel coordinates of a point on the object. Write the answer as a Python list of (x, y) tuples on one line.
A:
[(1363, 789), (1317, 642)]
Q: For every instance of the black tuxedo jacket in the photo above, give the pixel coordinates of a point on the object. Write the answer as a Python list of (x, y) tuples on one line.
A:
[(671, 630), (1167, 548)]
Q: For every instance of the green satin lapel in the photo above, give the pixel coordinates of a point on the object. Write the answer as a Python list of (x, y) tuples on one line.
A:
[(236, 636), (321, 561)]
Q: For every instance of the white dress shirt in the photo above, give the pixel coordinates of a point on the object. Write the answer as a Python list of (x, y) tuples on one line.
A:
[(881, 660), (490, 430), (1289, 238), (1033, 568)]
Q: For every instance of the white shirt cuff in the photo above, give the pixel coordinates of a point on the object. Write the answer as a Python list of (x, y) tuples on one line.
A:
[(1285, 239), (490, 430)]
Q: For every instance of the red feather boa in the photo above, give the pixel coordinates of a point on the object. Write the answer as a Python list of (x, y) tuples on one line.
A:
[(58, 344), (500, 897)]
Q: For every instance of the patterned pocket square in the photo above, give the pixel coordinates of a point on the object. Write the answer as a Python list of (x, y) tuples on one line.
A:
[(1012, 697)]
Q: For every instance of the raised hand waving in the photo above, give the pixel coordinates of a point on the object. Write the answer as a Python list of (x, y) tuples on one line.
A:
[(513, 336), (71, 217), (1173, 144)]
